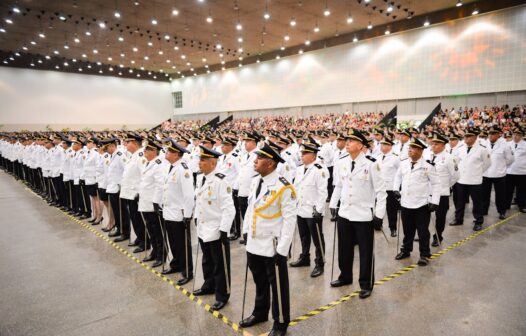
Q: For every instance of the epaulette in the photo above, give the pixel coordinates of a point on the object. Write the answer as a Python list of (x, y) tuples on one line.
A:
[(199, 172), (288, 153), (119, 153), (284, 181), (403, 159), (221, 176), (184, 165), (255, 175), (370, 158), (158, 161), (431, 163), (395, 154), (481, 145), (234, 154), (317, 165), (343, 157), (141, 153)]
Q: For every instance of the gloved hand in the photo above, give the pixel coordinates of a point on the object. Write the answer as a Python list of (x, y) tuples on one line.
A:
[(377, 223), (334, 213), (157, 209), (397, 195), (278, 257), (223, 237), (186, 222), (432, 207), (316, 215)]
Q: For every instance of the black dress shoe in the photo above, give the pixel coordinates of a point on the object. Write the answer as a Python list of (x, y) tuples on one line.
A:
[(477, 227), (184, 281), (502, 216), (201, 292), (393, 233), (218, 305), (251, 320), (135, 243), (277, 332), (339, 283), (172, 270), (138, 249), (436, 241), (422, 261), (365, 293), (402, 255), (157, 263), (151, 257), (455, 224), (114, 234), (301, 262), (84, 216), (233, 237), (121, 238), (316, 272)]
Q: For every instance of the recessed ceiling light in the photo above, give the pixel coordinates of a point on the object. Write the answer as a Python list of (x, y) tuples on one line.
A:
[(426, 23), (183, 57), (66, 47), (57, 67), (475, 11), (160, 52), (42, 35), (293, 22), (150, 44), (222, 62), (146, 58), (2, 30), (168, 61), (239, 26), (221, 55), (56, 52), (89, 66), (154, 21), (9, 21), (48, 57), (459, 3), (132, 61), (99, 63), (121, 39), (316, 29), (111, 69), (95, 51), (240, 50), (390, 8), (387, 32), (301, 51), (16, 10), (135, 49), (117, 15), (266, 16), (240, 39), (100, 71), (32, 64), (66, 64), (355, 39), (39, 61), (62, 17), (122, 55), (204, 60), (209, 19), (102, 25), (307, 42), (33, 42), (80, 69), (349, 19), (218, 46), (76, 39), (176, 48), (326, 12), (175, 12), (24, 47), (278, 57), (286, 37), (166, 37), (110, 59), (88, 33)]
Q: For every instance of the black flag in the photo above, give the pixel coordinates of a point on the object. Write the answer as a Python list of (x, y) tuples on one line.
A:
[(390, 118), (212, 124), (430, 117)]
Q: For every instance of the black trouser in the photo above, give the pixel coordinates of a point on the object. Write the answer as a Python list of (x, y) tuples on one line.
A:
[(309, 227), (330, 187), (349, 234), (136, 220), (264, 274), (516, 183), (69, 194), (78, 199), (464, 191), (392, 206), (120, 214), (243, 205), (156, 236), (61, 190), (180, 240), (236, 227), (500, 193), (414, 220), (440, 214), (86, 200), (213, 263)]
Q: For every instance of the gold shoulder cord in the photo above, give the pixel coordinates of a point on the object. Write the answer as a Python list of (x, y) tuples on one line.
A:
[(257, 211)]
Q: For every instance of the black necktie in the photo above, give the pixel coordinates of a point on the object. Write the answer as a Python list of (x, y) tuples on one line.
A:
[(469, 148), (258, 190), (516, 146), (434, 157), (305, 170), (171, 166), (204, 180), (401, 148), (352, 165), (383, 157), (492, 145), (412, 165)]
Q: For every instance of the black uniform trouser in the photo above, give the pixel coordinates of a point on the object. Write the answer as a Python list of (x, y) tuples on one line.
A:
[(120, 214), (414, 220), (349, 234), (312, 228), (180, 240), (263, 271), (86, 200), (464, 191), (156, 236), (61, 189), (69, 194), (330, 186), (440, 215), (516, 183), (392, 206), (500, 193), (78, 204), (136, 220), (236, 227), (213, 263)]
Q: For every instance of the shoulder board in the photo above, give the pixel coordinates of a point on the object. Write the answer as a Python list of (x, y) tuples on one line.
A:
[(119, 153), (284, 181), (234, 154), (221, 176), (481, 145), (106, 155), (403, 159), (431, 163), (141, 153), (288, 153), (343, 157), (158, 161), (395, 154), (184, 165), (370, 158), (255, 175), (300, 165), (317, 165)]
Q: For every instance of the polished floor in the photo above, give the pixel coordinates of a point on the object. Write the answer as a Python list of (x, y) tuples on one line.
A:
[(59, 278)]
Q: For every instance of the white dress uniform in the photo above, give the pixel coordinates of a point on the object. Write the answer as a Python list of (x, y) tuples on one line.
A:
[(102, 169), (516, 176), (89, 170), (78, 165), (246, 173), (402, 149), (151, 183), (229, 165), (473, 164), (131, 175), (114, 173)]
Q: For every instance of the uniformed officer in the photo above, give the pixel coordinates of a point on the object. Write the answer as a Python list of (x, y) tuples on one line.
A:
[(79, 198), (177, 199), (417, 179), (360, 189), (402, 147), (229, 165), (214, 211), (311, 185), (446, 166), (474, 160), (501, 158), (516, 174), (89, 176), (269, 225), (389, 162), (339, 154)]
